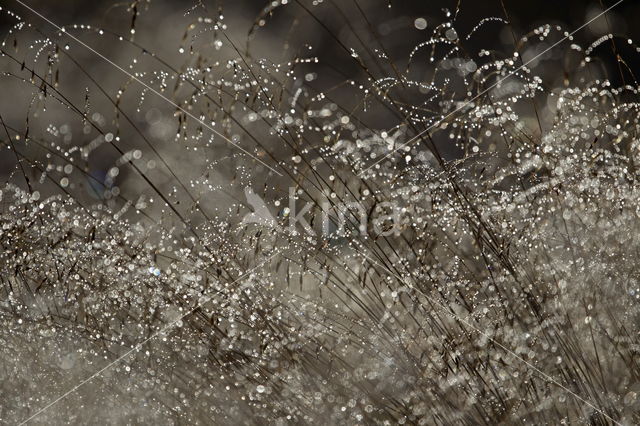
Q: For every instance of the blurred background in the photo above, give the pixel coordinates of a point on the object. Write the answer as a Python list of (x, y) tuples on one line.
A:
[(330, 38)]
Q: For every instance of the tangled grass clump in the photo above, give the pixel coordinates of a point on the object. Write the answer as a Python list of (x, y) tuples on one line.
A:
[(494, 280)]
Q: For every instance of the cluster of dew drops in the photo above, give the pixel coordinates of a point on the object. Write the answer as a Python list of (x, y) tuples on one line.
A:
[(489, 252)]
